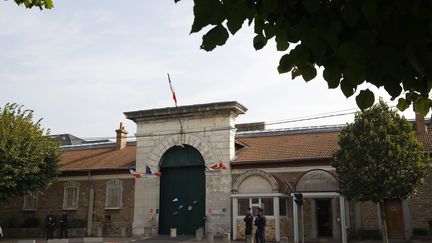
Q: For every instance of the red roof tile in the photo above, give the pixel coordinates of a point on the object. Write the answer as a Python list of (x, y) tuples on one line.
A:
[(98, 158), (287, 147)]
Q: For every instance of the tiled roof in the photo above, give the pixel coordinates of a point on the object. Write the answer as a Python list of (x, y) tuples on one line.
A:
[(98, 158), (426, 140), (289, 146), (296, 145)]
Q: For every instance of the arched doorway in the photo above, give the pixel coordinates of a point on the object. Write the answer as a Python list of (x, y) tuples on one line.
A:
[(182, 190)]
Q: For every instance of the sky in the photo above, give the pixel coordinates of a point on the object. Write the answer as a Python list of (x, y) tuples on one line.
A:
[(82, 64)]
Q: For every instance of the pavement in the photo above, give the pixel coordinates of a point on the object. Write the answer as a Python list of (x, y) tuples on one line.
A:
[(191, 239)]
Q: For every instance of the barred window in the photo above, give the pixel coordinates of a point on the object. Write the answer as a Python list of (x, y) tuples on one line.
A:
[(71, 192), (114, 190), (30, 202)]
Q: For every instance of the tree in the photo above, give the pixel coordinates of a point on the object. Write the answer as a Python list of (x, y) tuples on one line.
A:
[(379, 158), (41, 4), (384, 43), (28, 156)]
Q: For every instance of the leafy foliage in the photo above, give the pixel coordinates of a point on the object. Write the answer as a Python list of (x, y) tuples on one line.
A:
[(28, 157), (385, 43), (379, 156), (41, 4)]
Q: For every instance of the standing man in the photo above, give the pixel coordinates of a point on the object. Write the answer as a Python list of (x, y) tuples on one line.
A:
[(248, 219), (64, 219), (50, 221), (260, 222)]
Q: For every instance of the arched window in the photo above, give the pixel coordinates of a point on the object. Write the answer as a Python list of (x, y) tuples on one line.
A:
[(114, 189), (71, 193)]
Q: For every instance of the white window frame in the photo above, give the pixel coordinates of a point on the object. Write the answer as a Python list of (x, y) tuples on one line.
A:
[(70, 185), (26, 202), (110, 185)]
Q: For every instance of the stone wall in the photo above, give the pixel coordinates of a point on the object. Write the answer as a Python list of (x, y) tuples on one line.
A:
[(209, 128), (270, 233)]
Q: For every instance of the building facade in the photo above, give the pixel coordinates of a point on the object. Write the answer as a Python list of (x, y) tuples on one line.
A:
[(212, 170)]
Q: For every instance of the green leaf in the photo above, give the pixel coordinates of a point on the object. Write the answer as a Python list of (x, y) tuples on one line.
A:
[(369, 9), (422, 106), (49, 4), (285, 64), (308, 72), (236, 17), (295, 73), (312, 6), (402, 104), (394, 89), (365, 99), (215, 37), (269, 31), (259, 42), (207, 12), (259, 25), (281, 41), (333, 77), (355, 74), (347, 87), (350, 14)]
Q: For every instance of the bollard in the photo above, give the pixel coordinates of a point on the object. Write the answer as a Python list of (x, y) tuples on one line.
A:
[(284, 240), (249, 239), (199, 234), (173, 232), (227, 238), (147, 231), (210, 237)]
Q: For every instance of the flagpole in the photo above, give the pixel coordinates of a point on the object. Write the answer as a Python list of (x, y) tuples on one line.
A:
[(178, 112)]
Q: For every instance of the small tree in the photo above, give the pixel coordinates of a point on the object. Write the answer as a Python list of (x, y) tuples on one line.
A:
[(28, 157), (379, 158)]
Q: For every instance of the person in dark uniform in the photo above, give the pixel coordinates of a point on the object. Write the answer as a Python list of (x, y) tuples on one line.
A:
[(248, 219), (260, 222), (50, 221), (64, 219)]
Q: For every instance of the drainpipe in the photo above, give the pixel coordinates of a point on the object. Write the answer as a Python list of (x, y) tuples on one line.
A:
[(90, 205)]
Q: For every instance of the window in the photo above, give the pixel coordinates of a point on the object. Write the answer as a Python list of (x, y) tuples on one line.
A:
[(283, 207), (114, 194), (267, 205), (243, 204), (254, 204), (71, 192), (30, 202)]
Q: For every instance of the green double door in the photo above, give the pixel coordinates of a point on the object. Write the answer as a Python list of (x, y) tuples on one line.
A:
[(182, 191)]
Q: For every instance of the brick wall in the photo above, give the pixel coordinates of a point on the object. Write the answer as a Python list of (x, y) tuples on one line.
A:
[(12, 214), (421, 205)]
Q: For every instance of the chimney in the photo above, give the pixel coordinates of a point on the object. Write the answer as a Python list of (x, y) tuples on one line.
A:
[(121, 137), (420, 126)]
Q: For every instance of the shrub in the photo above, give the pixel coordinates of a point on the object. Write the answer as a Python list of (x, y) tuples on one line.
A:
[(30, 222)]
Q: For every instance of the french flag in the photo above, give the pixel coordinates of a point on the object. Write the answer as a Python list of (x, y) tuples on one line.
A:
[(149, 171), (172, 90), (134, 173)]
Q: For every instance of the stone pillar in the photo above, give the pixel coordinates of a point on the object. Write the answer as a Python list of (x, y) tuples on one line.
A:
[(227, 238), (313, 211)]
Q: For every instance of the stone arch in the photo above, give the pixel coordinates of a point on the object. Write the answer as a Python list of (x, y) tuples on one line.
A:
[(260, 173), (194, 140), (317, 180)]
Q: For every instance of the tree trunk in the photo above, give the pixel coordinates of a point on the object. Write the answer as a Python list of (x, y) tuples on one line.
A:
[(383, 222)]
